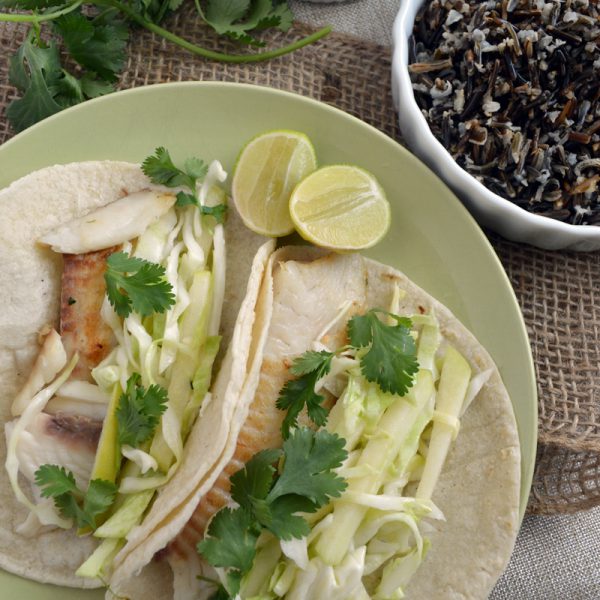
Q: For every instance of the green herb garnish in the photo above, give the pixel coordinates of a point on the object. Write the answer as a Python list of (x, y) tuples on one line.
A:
[(139, 411), (135, 284), (300, 392), (270, 500), (58, 483), (390, 360), (218, 212), (160, 169), (95, 35)]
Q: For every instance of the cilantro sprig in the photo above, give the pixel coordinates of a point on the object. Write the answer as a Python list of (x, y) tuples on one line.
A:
[(84, 508), (269, 499), (138, 411), (95, 33), (391, 358), (387, 355), (300, 392), (160, 169), (135, 284)]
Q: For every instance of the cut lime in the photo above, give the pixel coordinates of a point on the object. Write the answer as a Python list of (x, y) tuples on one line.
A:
[(268, 169), (341, 207)]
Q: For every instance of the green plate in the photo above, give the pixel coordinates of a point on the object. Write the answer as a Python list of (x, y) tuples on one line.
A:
[(433, 239)]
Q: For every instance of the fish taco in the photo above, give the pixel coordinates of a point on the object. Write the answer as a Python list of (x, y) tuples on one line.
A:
[(122, 345), (372, 453)]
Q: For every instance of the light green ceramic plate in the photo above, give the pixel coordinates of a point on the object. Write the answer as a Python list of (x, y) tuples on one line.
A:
[(433, 239)]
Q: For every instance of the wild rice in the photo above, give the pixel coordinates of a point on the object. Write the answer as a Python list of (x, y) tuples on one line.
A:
[(512, 89)]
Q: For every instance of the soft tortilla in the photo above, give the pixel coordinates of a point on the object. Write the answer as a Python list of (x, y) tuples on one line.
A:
[(30, 283), (478, 491)]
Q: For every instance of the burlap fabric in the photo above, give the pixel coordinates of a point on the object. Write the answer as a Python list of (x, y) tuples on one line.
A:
[(557, 291)]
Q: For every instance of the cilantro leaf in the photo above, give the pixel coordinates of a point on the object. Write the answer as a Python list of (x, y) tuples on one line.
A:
[(139, 411), (307, 471), (195, 168), (136, 284), (99, 497), (54, 481), (47, 88), (33, 71), (312, 361), (300, 392), (161, 169), (69, 507), (96, 45), (231, 543), (281, 521), (237, 18), (255, 479), (391, 360), (69, 90), (58, 483), (219, 211)]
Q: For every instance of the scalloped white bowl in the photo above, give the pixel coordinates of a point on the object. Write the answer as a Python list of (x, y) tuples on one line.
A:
[(490, 210)]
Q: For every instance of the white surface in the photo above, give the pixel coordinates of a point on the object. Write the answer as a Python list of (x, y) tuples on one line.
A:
[(555, 558), (488, 208)]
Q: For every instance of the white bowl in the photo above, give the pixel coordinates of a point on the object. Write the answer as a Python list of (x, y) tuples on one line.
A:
[(489, 209)]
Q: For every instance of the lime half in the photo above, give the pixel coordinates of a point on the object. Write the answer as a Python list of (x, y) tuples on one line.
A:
[(341, 207), (268, 169)]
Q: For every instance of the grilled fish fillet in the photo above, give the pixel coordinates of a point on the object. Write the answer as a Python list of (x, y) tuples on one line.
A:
[(307, 298), (69, 439), (65, 440), (81, 328)]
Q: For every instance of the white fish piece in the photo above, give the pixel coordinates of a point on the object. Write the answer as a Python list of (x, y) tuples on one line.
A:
[(309, 296), (51, 359), (69, 406), (112, 224), (63, 440), (84, 391)]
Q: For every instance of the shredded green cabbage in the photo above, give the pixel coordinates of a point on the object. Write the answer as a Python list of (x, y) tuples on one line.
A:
[(394, 445)]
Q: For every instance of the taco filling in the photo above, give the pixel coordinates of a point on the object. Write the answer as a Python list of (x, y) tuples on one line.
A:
[(102, 420), (330, 480)]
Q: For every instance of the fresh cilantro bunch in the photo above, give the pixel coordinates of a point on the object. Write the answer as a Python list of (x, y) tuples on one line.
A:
[(45, 86), (269, 500), (84, 508), (94, 34), (387, 355)]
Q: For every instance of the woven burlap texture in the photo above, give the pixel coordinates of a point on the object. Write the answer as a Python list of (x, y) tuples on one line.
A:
[(557, 291)]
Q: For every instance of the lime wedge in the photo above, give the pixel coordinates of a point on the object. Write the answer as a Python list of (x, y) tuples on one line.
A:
[(267, 170), (340, 207)]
